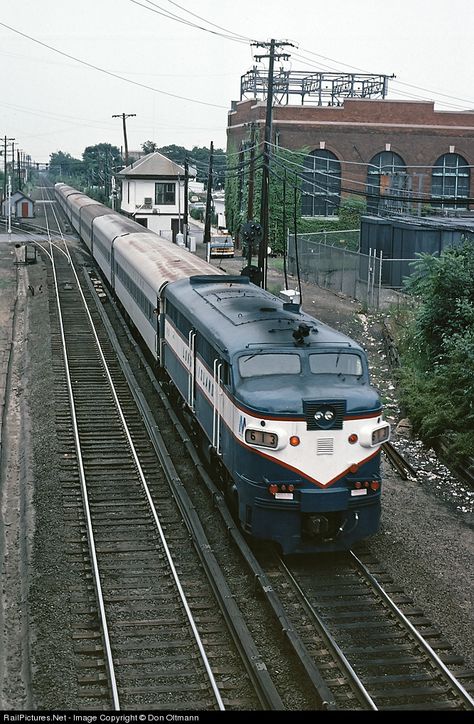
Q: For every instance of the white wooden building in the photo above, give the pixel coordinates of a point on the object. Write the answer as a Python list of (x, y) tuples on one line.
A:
[(153, 194)]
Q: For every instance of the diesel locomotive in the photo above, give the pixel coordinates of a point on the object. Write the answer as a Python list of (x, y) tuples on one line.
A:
[(281, 403)]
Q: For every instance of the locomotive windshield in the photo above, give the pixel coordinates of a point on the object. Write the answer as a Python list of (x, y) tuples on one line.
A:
[(264, 364), (260, 365), (335, 363)]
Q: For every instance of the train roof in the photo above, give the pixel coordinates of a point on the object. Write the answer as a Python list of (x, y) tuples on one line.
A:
[(159, 261), (114, 225), (93, 211), (238, 315)]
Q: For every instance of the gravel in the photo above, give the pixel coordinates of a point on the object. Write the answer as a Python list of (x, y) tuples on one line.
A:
[(425, 541)]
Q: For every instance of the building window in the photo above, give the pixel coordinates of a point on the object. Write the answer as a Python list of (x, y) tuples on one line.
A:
[(165, 194), (386, 175), (451, 178), (321, 188)]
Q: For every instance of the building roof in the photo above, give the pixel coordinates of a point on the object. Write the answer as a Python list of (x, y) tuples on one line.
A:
[(152, 165), (19, 195), (448, 223)]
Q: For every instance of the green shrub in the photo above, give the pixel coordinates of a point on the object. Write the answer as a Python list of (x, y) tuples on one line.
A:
[(437, 351)]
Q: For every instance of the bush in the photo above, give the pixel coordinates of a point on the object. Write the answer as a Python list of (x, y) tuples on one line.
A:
[(437, 352)]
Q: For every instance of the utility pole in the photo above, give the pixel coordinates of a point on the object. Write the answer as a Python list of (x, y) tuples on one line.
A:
[(9, 216), (185, 211), (251, 172), (272, 56), (5, 140), (124, 116), (13, 159), (207, 223), (18, 168), (239, 195)]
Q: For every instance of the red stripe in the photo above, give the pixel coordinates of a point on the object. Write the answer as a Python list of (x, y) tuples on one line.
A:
[(307, 477)]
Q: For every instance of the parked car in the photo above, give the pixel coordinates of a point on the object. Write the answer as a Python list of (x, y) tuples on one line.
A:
[(222, 246)]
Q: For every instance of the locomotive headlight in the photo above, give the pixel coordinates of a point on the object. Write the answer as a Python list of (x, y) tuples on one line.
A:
[(329, 415), (381, 435), (373, 436)]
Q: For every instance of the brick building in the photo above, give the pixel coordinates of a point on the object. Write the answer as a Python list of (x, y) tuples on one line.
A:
[(397, 149)]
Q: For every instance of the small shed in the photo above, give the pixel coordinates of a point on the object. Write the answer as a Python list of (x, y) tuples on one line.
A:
[(22, 207), (401, 239)]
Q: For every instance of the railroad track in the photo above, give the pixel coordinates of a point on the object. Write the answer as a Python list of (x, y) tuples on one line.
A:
[(375, 656), (141, 641), (145, 621), (401, 464), (325, 673), (328, 671)]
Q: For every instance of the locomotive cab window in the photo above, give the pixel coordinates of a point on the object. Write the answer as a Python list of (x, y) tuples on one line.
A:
[(261, 365), (335, 363), (225, 374)]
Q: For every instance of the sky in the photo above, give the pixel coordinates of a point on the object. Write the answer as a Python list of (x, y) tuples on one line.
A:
[(51, 102)]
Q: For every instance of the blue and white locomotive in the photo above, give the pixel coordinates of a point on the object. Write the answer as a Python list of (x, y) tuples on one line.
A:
[(281, 403)]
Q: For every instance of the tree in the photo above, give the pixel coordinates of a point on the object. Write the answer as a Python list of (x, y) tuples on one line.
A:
[(64, 167), (437, 373), (100, 161), (149, 147)]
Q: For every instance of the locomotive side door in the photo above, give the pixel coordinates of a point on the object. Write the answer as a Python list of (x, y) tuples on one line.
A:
[(218, 406), (191, 360)]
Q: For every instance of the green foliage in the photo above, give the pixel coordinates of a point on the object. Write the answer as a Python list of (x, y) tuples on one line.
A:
[(198, 158), (437, 352), (149, 147), (285, 195), (62, 166), (92, 173)]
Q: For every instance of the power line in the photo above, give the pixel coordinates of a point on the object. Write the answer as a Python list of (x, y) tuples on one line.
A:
[(243, 37), (407, 195), (108, 72), (363, 163), (172, 16), (396, 82)]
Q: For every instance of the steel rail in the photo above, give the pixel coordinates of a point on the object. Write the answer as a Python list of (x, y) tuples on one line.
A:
[(433, 656), (153, 510), (398, 461), (336, 650), (255, 665), (90, 532), (310, 666)]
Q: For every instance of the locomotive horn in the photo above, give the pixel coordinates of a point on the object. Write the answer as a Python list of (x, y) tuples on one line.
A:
[(301, 333)]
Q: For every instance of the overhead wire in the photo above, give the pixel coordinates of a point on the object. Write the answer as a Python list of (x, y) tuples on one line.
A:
[(361, 163), (412, 197), (394, 82), (158, 10), (108, 72), (238, 35)]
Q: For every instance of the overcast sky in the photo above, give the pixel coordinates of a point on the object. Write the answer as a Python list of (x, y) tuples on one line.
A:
[(49, 102)]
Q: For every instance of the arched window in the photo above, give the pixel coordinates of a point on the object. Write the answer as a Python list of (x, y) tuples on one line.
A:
[(321, 189), (451, 177), (387, 174)]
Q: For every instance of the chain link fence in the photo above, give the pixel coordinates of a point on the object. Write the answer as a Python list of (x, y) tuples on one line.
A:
[(360, 276)]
